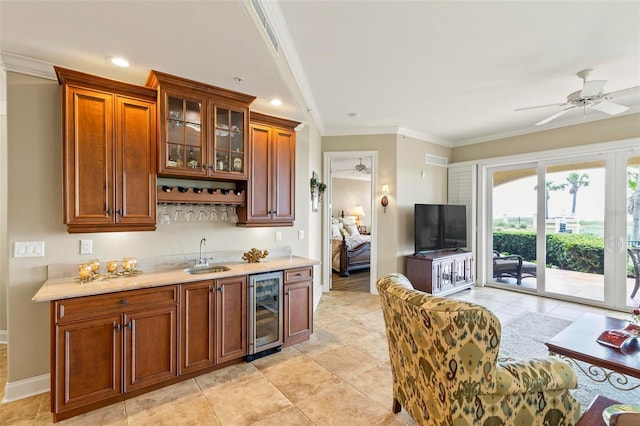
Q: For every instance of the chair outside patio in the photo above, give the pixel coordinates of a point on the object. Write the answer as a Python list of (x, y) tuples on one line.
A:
[(634, 252), (512, 266)]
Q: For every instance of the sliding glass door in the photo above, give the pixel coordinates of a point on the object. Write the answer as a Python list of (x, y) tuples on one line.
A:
[(563, 227)]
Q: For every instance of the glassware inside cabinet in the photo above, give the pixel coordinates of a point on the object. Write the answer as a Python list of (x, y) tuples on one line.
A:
[(184, 133)]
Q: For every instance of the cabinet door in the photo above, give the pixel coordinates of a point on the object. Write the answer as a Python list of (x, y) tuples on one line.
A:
[(229, 153), (283, 171), (197, 349), (231, 316), (150, 347), (259, 205), (298, 311), (88, 362), (135, 161), (89, 157), (183, 149)]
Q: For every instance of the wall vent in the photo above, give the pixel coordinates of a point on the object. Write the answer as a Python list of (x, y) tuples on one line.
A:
[(262, 16), (435, 160)]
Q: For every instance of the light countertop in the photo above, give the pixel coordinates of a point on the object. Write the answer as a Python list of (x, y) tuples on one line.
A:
[(66, 288)]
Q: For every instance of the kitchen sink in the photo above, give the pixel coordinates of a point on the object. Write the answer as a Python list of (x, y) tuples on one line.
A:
[(209, 269)]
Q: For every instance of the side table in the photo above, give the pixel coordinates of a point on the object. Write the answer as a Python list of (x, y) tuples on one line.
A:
[(593, 415)]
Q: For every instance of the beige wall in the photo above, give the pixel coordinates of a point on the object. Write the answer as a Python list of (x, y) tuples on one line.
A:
[(3, 206), (400, 162), (34, 180), (414, 188), (346, 193), (611, 129)]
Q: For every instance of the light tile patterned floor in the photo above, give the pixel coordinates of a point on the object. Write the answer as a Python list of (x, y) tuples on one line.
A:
[(341, 376)]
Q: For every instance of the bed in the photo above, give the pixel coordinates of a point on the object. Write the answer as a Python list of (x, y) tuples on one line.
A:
[(350, 250)]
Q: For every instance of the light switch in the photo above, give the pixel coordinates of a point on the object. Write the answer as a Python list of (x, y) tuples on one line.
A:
[(28, 249), (301, 234), (278, 236)]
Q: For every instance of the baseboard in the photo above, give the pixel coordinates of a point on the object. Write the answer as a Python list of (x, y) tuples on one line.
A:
[(14, 391), (4, 337)]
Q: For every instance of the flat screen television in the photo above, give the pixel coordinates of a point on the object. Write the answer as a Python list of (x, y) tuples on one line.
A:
[(439, 227)]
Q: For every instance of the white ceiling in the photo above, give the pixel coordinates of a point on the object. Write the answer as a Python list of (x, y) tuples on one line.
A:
[(451, 72)]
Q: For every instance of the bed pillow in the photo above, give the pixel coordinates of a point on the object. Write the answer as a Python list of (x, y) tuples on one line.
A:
[(352, 229), (335, 230), (348, 220)]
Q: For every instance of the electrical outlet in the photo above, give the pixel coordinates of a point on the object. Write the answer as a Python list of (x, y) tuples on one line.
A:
[(301, 234), (278, 236), (86, 246)]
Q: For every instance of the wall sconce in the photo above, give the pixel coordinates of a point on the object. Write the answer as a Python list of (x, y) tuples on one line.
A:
[(385, 201)]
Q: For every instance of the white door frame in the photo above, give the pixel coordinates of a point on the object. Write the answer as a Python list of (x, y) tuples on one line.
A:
[(327, 212)]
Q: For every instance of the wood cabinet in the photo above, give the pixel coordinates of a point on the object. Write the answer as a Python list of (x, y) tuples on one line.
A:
[(109, 154), (441, 273), (107, 345), (214, 322), (203, 129), (271, 188), (298, 305)]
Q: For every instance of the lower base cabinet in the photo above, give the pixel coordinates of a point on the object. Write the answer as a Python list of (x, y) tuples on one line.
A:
[(110, 347), (214, 323), (111, 344), (298, 305)]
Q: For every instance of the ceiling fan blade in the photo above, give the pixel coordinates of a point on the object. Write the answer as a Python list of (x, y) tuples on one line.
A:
[(623, 92), (592, 88), (609, 107), (540, 106), (554, 116)]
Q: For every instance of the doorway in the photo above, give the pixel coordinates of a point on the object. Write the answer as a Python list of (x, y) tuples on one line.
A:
[(349, 205)]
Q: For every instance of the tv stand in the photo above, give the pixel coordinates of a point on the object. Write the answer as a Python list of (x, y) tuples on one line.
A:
[(442, 272)]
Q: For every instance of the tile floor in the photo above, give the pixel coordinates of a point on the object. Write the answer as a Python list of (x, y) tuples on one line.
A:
[(340, 376)]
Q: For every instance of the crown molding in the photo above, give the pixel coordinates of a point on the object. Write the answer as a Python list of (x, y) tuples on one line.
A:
[(25, 65)]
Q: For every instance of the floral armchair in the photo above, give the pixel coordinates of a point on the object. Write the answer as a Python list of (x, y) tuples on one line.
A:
[(444, 361)]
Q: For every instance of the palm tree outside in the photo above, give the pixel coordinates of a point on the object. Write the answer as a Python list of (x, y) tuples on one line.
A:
[(575, 182)]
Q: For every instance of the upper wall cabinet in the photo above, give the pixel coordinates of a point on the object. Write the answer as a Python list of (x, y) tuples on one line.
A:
[(203, 129), (109, 154), (271, 187)]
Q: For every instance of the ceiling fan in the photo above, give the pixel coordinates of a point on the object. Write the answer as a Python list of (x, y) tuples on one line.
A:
[(357, 169), (591, 96)]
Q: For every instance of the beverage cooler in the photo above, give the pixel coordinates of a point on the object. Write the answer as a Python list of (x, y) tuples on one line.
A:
[(265, 314)]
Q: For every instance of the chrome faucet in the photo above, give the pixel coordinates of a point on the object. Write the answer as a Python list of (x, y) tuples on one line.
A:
[(201, 260)]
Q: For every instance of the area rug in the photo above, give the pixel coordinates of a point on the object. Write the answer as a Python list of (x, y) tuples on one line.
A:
[(524, 337)]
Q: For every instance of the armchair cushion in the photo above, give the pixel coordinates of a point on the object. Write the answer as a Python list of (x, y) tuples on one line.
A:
[(445, 368)]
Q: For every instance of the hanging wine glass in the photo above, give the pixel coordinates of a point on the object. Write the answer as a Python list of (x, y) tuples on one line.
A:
[(164, 215), (177, 213)]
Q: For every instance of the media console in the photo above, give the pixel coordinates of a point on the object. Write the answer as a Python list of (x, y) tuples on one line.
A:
[(441, 273)]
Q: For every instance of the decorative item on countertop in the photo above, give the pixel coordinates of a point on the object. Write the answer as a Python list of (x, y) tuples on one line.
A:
[(635, 316), (254, 255), (90, 272)]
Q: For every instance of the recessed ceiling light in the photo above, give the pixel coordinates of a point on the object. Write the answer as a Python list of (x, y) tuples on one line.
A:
[(238, 79), (276, 102), (118, 60), (354, 114)]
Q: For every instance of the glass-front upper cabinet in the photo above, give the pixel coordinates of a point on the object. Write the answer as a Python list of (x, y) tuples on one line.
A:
[(185, 148), (203, 129), (230, 142)]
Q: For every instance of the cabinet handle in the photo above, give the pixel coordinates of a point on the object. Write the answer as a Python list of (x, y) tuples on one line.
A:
[(123, 301), (117, 327), (129, 325), (299, 274)]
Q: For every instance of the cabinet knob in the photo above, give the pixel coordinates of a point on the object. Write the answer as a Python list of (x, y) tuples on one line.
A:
[(129, 325), (119, 212), (221, 289), (109, 212), (123, 301), (117, 327)]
